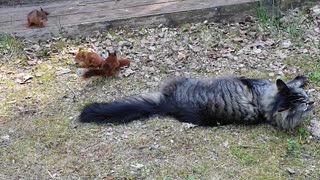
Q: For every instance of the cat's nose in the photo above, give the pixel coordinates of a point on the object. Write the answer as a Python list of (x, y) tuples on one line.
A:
[(310, 105)]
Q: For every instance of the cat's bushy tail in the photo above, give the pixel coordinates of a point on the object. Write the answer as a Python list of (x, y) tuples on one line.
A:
[(125, 111)]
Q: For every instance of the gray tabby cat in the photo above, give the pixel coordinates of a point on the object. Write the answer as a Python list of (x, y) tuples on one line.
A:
[(211, 102)]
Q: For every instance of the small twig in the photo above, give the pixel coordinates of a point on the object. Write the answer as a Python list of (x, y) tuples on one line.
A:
[(7, 59), (50, 174), (74, 94), (92, 145), (60, 28), (248, 146)]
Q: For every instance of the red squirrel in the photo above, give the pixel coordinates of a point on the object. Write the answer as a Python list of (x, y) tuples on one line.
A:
[(88, 59), (109, 67), (37, 18)]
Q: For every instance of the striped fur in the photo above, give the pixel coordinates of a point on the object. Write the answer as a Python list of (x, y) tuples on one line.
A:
[(211, 102)]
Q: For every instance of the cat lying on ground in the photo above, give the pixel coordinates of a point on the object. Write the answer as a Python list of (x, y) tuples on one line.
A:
[(211, 102)]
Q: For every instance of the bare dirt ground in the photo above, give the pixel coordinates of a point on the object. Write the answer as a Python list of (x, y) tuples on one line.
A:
[(42, 94)]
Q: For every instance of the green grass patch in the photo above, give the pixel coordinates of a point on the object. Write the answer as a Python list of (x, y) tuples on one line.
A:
[(315, 76), (185, 27), (244, 157), (11, 48), (58, 45), (293, 147), (303, 132), (268, 22)]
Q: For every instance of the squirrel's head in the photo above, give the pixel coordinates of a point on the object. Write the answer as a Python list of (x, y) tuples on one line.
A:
[(114, 54), (80, 56), (45, 12), (42, 15)]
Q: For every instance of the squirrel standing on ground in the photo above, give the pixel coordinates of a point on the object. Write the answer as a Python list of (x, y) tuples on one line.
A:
[(109, 67), (88, 59), (37, 17)]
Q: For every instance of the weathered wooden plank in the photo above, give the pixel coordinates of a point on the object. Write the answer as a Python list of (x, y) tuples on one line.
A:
[(84, 19), (4, 3), (124, 13), (78, 7), (120, 11)]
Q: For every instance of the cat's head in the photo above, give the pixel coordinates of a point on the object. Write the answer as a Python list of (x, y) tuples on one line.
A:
[(291, 103)]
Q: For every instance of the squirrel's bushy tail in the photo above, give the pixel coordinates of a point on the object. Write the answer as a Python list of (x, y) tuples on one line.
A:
[(124, 62), (94, 72), (125, 111)]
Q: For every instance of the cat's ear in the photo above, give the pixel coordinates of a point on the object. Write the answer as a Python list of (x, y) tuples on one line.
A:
[(298, 82), (282, 87), (41, 9), (115, 53)]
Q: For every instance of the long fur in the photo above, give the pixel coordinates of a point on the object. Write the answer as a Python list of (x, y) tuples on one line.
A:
[(124, 62), (94, 72), (124, 111), (211, 102)]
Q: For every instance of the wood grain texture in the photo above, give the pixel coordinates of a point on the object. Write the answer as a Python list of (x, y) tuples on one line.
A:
[(82, 17)]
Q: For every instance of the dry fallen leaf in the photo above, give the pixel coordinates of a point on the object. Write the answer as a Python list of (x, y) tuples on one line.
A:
[(182, 56), (152, 57), (23, 78), (286, 44), (315, 128), (238, 39), (128, 72), (195, 48), (38, 74), (290, 170), (257, 50), (281, 55), (34, 62)]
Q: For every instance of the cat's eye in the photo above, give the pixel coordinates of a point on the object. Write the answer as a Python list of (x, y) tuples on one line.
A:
[(308, 106), (310, 103)]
